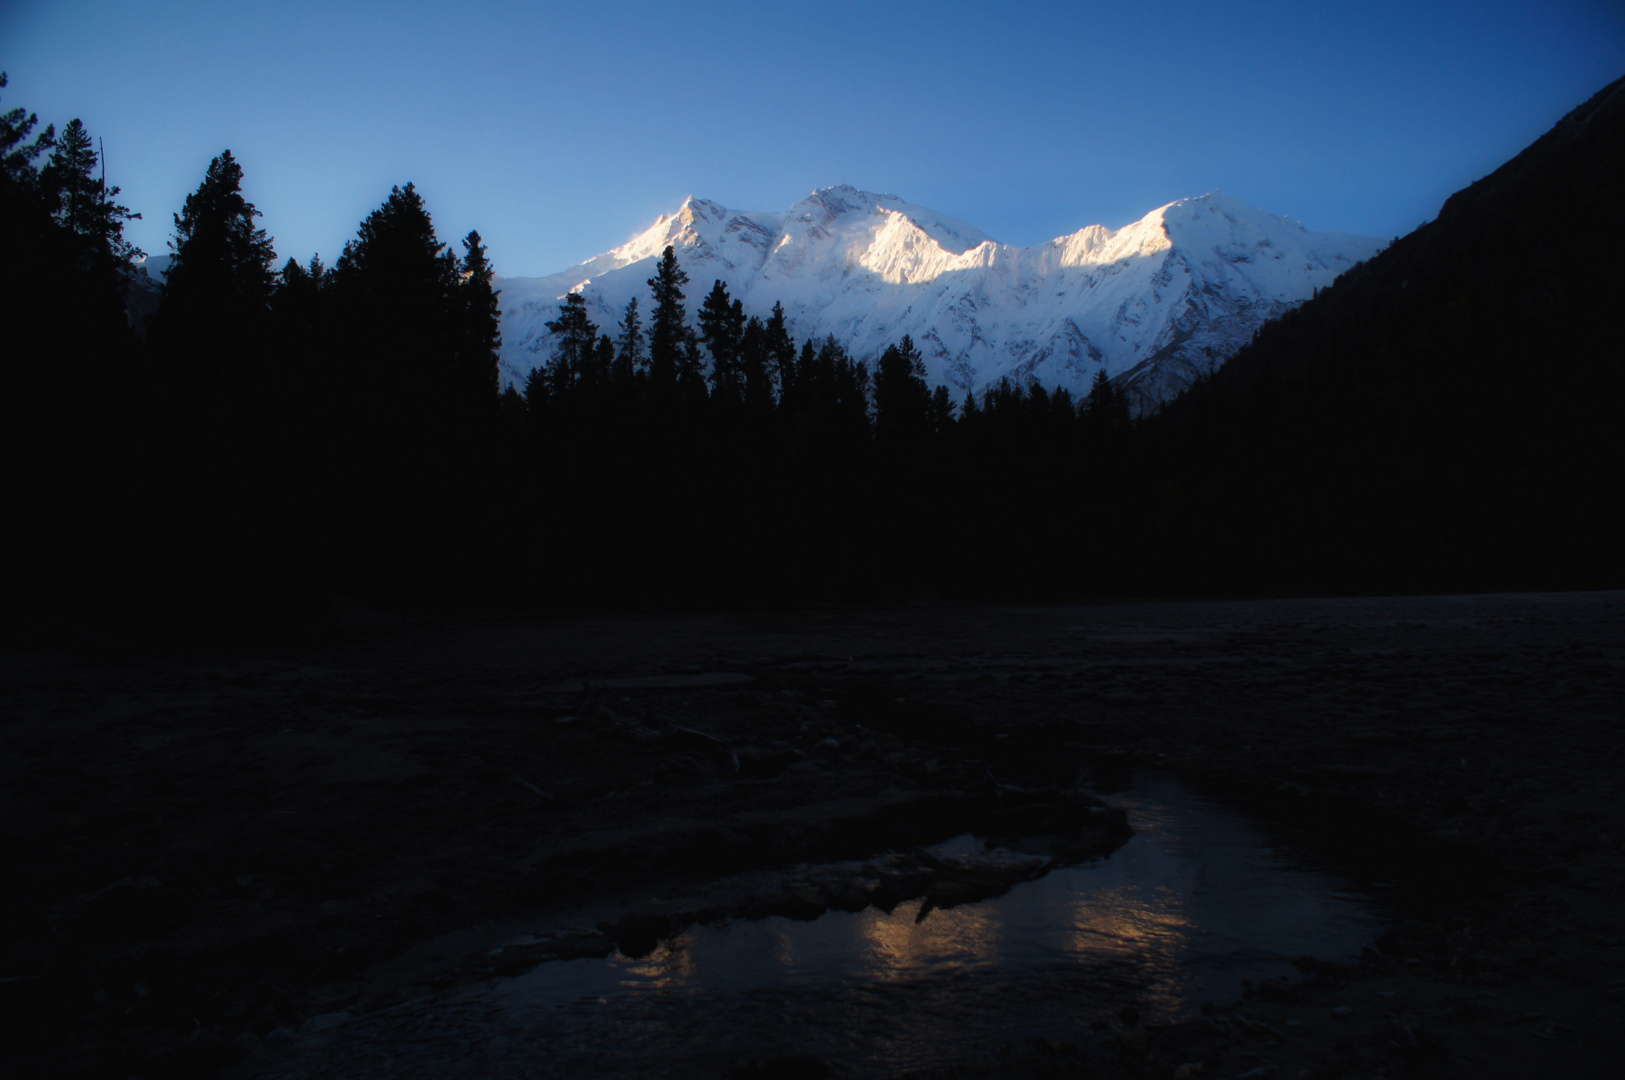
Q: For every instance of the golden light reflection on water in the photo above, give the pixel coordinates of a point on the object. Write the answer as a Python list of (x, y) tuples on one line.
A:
[(1186, 910), (1149, 925), (669, 967), (897, 946), (884, 947), (1125, 920), (1194, 903)]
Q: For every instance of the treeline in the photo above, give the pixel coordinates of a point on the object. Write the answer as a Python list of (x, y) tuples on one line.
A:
[(252, 439), (727, 460), (265, 435)]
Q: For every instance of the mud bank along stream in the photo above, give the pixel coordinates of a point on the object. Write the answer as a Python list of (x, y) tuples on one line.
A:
[(1197, 901)]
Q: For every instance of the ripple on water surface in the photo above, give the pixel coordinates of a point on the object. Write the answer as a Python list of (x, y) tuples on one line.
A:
[(1198, 900)]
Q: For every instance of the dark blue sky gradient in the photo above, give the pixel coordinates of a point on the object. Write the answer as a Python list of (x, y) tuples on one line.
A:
[(560, 130)]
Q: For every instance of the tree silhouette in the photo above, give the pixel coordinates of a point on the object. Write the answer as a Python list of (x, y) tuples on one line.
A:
[(668, 322), (210, 332), (902, 398), (218, 289), (16, 156), (630, 359), (941, 413), (67, 399), (781, 352), (415, 439), (85, 205), (1105, 409), (756, 367), (722, 329), (479, 335), (691, 369), (574, 338)]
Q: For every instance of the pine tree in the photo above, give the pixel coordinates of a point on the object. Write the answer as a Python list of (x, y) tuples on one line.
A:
[(601, 366), (630, 360), (65, 403), (722, 328), (416, 331), (397, 260), (902, 398), (17, 168), (691, 368), (537, 392), (668, 324), (574, 336), (852, 395), (806, 375), (1038, 405), (220, 267), (59, 222), (210, 335), (942, 412), (226, 436), (399, 315), (836, 393), (1105, 408), (303, 352), (296, 301), (755, 366), (479, 333), (1063, 419), (85, 205), (781, 352)]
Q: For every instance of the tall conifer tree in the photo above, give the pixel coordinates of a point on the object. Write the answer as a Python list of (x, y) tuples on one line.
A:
[(1104, 408), (479, 333), (630, 360), (85, 205), (668, 322), (722, 328), (755, 367), (220, 277), (16, 154), (781, 352), (902, 399), (574, 337)]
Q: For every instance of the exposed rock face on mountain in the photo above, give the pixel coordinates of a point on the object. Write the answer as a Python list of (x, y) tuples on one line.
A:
[(1154, 303)]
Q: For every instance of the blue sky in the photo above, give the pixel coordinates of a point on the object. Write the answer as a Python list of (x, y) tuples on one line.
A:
[(560, 130)]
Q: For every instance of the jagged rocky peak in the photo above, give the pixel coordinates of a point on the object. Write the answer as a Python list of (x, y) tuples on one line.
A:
[(1154, 303), (832, 202)]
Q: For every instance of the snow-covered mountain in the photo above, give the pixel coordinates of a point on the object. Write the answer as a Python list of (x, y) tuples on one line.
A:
[(1154, 303)]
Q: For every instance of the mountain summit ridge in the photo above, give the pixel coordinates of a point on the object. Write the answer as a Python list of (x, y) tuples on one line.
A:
[(1154, 303)]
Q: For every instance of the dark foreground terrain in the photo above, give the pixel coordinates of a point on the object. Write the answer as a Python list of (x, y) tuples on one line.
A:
[(212, 853)]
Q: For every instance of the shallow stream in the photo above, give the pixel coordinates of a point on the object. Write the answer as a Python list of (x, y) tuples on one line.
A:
[(1198, 900)]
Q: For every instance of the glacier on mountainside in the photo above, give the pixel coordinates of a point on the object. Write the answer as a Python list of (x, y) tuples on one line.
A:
[(1155, 303)]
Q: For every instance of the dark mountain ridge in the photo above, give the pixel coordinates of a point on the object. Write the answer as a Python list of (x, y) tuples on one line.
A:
[(1447, 415), (1508, 238)]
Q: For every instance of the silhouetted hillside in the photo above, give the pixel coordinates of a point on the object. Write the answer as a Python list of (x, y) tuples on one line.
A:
[(1448, 414)]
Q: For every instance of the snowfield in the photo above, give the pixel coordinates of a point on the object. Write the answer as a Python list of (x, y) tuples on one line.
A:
[(1154, 303)]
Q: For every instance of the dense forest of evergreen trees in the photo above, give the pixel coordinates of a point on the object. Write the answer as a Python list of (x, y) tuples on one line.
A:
[(265, 437)]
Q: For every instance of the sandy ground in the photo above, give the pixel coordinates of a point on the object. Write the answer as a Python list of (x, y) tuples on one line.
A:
[(206, 845)]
